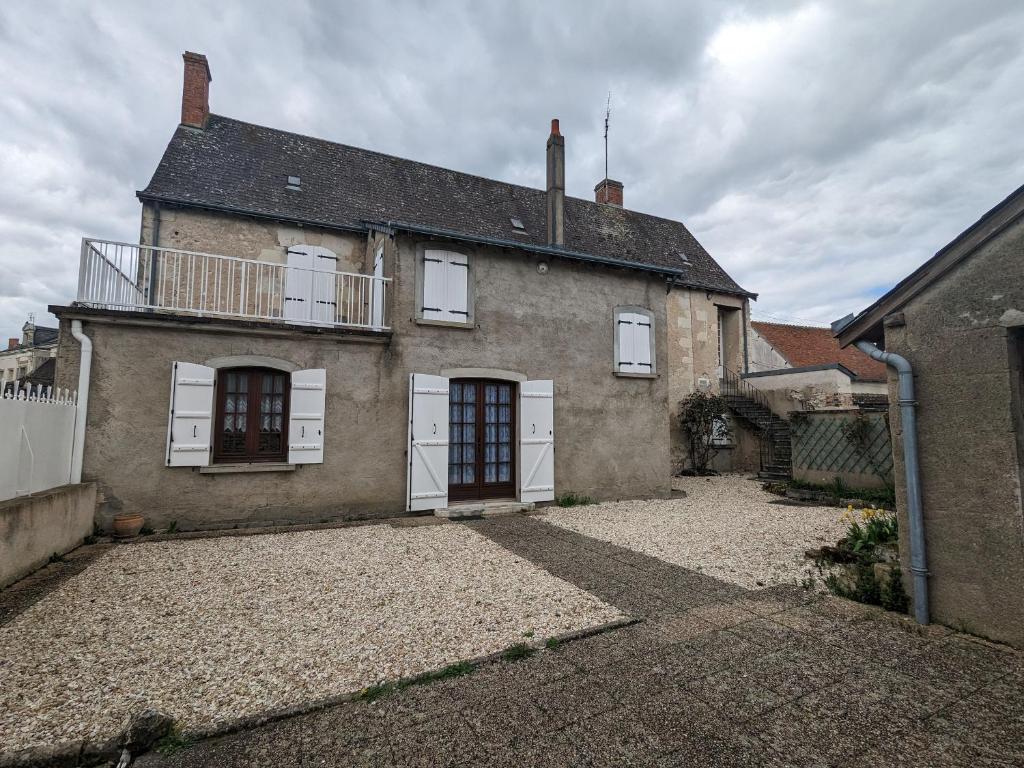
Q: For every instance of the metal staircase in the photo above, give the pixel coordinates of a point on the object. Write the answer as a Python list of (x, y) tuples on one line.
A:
[(751, 406)]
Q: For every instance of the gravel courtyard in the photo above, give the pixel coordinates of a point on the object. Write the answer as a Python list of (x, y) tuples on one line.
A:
[(726, 527), (208, 630)]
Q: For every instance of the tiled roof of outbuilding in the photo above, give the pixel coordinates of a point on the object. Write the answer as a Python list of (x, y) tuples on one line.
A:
[(803, 346), (236, 166)]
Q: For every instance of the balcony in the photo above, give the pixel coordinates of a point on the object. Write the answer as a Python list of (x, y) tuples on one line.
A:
[(126, 277)]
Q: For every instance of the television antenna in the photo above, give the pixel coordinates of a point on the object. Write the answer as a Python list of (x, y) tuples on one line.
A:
[(607, 117)]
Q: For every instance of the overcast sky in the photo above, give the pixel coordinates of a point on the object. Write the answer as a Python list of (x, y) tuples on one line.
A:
[(819, 150)]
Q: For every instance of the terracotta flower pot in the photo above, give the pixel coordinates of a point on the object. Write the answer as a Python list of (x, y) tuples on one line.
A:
[(126, 526)]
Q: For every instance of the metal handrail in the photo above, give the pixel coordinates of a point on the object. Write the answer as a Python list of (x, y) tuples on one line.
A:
[(731, 384)]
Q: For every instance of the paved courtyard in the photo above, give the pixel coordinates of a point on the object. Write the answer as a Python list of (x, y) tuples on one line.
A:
[(712, 674)]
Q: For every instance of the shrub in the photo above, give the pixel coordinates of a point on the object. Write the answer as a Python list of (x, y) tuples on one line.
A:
[(701, 416), (573, 499), (894, 596)]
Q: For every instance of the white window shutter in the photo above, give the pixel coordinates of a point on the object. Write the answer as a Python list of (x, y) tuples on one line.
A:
[(324, 291), (298, 285), (625, 324), (190, 421), (642, 362), (434, 278), (457, 287), (537, 440), (377, 301), (428, 442), (306, 416)]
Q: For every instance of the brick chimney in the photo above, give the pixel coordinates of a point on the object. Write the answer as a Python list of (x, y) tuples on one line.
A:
[(556, 186), (195, 92), (608, 191), (12, 342)]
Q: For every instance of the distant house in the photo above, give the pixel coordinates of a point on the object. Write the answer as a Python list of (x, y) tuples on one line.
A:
[(315, 330), (803, 368), (959, 322), (25, 354)]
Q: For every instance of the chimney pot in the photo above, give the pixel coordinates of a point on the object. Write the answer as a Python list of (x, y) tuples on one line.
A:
[(556, 186), (195, 92), (608, 191)]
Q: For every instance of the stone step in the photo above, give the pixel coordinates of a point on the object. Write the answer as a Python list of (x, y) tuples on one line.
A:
[(474, 510)]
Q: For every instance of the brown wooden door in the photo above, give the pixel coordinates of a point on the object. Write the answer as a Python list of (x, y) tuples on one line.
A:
[(482, 439)]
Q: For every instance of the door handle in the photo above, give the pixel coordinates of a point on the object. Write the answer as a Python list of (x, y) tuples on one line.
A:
[(435, 428)]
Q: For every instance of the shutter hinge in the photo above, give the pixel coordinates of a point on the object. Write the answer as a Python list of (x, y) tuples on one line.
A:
[(427, 258), (457, 312), (432, 309)]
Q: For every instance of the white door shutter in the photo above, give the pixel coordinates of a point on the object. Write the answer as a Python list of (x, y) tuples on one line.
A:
[(642, 362), (324, 280), (434, 277), (537, 440), (190, 423), (625, 324), (298, 285), (377, 302), (306, 417), (457, 287), (428, 442)]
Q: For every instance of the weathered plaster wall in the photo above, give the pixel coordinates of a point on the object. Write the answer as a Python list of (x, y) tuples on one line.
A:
[(959, 338), (611, 433), (693, 363), (33, 528), (826, 389), (763, 356)]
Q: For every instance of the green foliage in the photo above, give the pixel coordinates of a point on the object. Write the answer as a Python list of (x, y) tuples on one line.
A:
[(173, 742), (874, 527), (882, 497), (858, 432), (552, 643), (56, 557), (699, 414), (517, 652), (173, 527), (146, 531), (865, 588), (894, 596), (573, 499)]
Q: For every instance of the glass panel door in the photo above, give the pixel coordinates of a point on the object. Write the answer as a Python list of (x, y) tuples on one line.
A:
[(481, 453)]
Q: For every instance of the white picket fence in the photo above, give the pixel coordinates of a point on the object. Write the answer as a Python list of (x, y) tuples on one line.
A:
[(37, 430)]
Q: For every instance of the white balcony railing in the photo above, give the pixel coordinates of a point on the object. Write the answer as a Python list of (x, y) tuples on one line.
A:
[(122, 276)]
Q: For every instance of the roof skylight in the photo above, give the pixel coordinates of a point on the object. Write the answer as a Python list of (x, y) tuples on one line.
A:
[(294, 182)]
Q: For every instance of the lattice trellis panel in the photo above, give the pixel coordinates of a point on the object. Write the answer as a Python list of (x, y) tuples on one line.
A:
[(819, 444)]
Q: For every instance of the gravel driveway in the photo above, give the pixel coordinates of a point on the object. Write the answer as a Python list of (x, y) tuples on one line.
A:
[(726, 527), (212, 629)]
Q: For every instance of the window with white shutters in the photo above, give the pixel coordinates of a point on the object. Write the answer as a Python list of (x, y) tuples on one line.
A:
[(444, 287), (634, 342)]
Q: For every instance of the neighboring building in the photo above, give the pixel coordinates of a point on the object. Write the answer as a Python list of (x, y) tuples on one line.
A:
[(959, 321), (800, 367), (25, 355), (342, 333)]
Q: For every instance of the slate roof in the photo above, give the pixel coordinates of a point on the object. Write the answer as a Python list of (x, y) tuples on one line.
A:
[(42, 335), (240, 167), (803, 345)]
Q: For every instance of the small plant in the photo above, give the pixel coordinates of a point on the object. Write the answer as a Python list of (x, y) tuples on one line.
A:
[(517, 652), (374, 692), (552, 643), (528, 633), (146, 531), (56, 557), (894, 596), (173, 742), (173, 527), (701, 416), (573, 499), (452, 670), (870, 528)]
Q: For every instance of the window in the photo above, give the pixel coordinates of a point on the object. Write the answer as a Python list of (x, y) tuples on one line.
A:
[(251, 415), (444, 288), (634, 342), (294, 182)]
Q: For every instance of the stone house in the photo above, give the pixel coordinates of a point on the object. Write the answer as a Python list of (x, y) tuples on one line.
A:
[(801, 367), (25, 354), (959, 322), (309, 331)]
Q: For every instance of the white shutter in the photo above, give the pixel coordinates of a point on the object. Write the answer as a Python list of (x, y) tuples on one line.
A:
[(457, 287), (428, 442), (324, 310), (377, 305), (625, 324), (642, 362), (298, 285), (537, 440), (434, 278), (190, 422), (306, 416)]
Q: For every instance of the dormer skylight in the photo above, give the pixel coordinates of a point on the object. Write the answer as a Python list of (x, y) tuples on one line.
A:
[(294, 182), (517, 224)]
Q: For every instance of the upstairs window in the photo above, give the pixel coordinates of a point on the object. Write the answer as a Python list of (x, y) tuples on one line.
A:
[(634, 342), (444, 294)]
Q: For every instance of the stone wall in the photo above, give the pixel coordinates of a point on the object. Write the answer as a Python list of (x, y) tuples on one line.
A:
[(962, 336), (611, 433), (33, 528)]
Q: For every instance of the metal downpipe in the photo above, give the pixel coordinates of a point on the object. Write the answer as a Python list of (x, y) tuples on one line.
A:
[(908, 419), (84, 373)]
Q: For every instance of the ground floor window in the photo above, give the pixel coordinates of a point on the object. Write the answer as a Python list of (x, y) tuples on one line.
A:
[(251, 415)]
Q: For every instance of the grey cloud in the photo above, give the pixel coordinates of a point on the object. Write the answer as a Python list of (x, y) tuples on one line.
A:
[(820, 150)]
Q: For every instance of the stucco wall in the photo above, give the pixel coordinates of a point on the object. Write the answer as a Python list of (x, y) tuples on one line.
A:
[(958, 338), (33, 528), (827, 389), (611, 433)]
